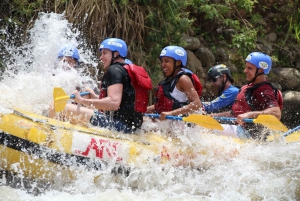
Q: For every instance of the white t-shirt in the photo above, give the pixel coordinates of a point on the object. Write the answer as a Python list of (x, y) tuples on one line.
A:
[(179, 95)]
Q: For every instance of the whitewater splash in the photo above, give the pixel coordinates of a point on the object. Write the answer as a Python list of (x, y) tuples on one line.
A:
[(28, 80), (225, 170)]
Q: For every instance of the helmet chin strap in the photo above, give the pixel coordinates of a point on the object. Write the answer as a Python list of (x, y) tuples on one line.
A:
[(256, 75), (113, 58), (174, 68)]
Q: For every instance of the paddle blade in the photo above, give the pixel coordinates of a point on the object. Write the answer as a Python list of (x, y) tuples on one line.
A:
[(60, 99), (204, 121), (270, 122)]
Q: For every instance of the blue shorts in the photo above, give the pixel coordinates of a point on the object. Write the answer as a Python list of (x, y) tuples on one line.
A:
[(99, 119)]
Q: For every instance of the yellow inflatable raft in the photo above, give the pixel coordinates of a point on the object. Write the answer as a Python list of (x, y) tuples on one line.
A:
[(41, 148)]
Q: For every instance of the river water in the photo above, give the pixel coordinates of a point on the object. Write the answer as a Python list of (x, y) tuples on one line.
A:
[(227, 170)]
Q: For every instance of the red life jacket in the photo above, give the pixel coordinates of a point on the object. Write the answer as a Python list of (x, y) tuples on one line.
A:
[(141, 82), (244, 99), (164, 102), (102, 92)]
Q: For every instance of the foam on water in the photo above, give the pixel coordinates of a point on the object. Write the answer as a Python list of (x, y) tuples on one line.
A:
[(28, 81), (223, 169)]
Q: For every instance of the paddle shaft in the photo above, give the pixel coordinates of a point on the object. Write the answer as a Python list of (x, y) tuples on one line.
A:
[(199, 119), (291, 131), (167, 117), (231, 119), (72, 96)]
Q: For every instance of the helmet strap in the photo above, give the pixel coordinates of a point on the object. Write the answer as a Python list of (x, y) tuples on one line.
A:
[(113, 58), (174, 68), (256, 75)]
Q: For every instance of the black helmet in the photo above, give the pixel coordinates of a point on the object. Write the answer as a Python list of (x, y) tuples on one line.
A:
[(217, 71)]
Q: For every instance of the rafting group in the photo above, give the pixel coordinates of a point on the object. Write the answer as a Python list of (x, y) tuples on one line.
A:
[(122, 101)]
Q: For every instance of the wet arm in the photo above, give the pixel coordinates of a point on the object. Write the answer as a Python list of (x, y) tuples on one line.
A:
[(93, 95), (225, 99), (111, 102), (222, 114), (185, 84), (254, 114)]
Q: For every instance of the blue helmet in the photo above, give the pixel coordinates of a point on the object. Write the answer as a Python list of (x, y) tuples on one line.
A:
[(260, 60), (127, 61), (176, 52), (115, 44), (69, 52)]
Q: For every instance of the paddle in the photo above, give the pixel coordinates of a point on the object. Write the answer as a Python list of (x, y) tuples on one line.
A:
[(61, 98), (268, 121), (291, 131), (199, 119)]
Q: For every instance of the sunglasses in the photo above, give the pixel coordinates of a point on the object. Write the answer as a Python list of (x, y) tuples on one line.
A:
[(214, 79)]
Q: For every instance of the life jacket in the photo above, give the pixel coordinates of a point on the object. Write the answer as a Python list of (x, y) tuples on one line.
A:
[(102, 91), (141, 82), (164, 101), (250, 91), (245, 98)]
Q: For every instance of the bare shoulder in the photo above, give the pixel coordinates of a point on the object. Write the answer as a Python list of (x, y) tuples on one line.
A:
[(185, 83), (185, 79)]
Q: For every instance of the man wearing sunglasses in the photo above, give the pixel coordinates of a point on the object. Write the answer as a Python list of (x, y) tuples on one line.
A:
[(220, 77)]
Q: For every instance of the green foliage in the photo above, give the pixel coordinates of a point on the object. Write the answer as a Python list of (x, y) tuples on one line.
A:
[(25, 9), (214, 11), (168, 22), (228, 18), (294, 23), (159, 23), (256, 18), (244, 4), (235, 24), (244, 41)]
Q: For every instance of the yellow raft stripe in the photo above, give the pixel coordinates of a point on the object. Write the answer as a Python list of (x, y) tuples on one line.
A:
[(60, 139), (31, 166), (60, 135)]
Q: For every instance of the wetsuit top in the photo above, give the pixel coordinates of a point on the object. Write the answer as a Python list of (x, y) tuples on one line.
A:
[(225, 100), (117, 74)]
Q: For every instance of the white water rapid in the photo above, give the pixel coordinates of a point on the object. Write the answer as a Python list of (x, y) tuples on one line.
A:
[(226, 171)]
